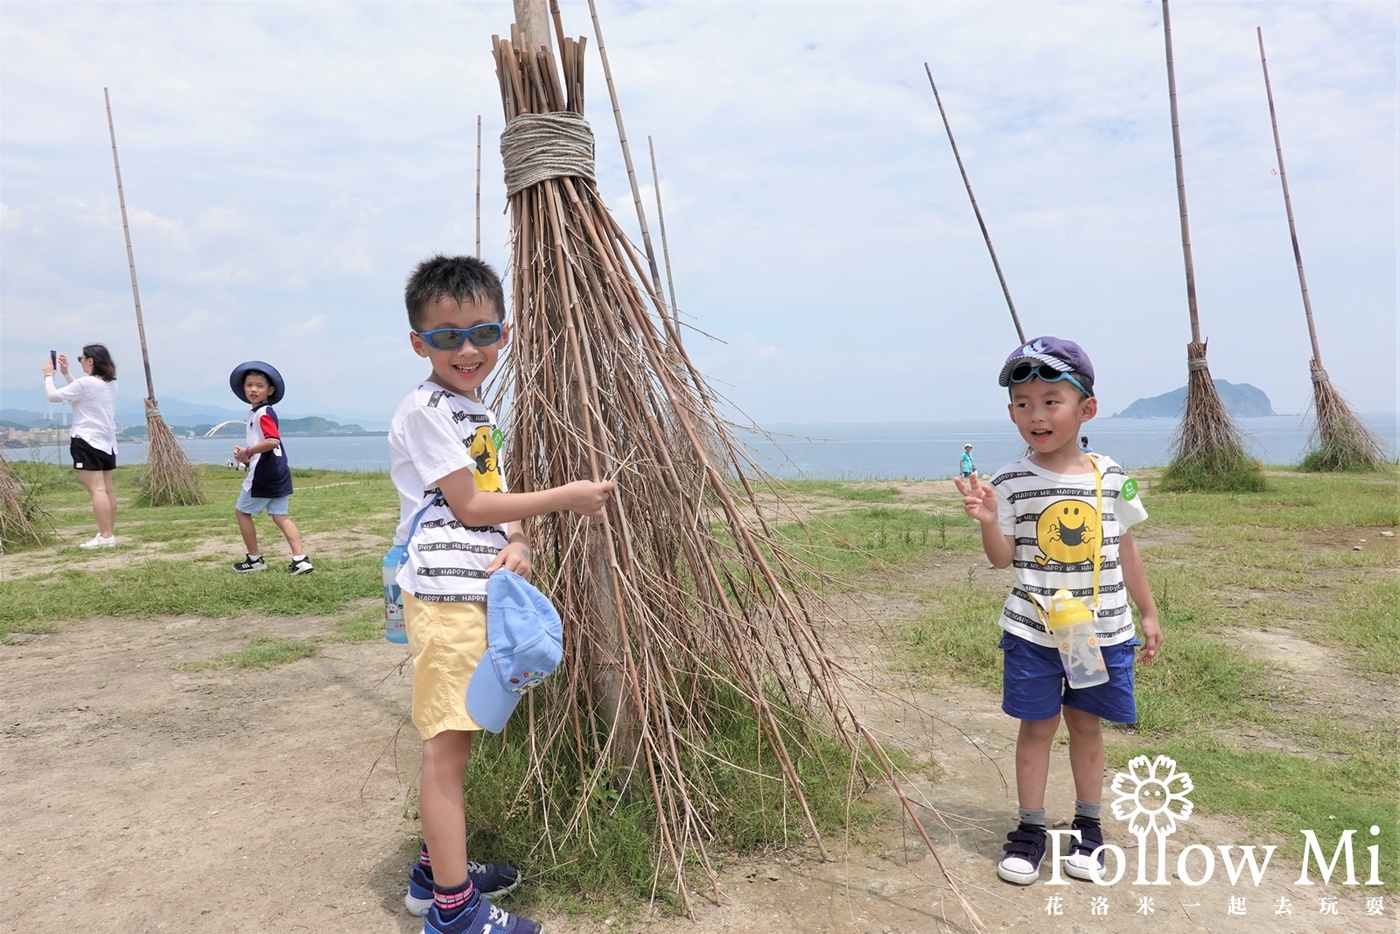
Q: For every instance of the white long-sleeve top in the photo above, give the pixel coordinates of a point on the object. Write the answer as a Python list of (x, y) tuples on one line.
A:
[(94, 404)]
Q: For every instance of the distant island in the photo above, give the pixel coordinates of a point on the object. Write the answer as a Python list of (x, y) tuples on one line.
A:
[(1241, 401)]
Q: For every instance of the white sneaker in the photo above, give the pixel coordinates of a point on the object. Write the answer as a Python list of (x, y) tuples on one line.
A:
[(100, 541)]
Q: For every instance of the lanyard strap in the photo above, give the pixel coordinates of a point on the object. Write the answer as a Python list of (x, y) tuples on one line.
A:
[(413, 526), (1098, 545), (1098, 542)]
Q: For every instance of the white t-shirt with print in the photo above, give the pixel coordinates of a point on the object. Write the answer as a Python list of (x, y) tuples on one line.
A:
[(434, 433), (1057, 531)]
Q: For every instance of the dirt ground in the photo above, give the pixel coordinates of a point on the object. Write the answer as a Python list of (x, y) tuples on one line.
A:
[(139, 797)]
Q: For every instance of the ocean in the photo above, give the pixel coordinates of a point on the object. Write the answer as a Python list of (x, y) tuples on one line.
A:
[(854, 451)]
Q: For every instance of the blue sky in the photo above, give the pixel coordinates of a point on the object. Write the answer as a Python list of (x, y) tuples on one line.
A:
[(286, 164)]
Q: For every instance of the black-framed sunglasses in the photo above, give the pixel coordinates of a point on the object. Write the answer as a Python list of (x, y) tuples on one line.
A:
[(481, 335), (1045, 373)]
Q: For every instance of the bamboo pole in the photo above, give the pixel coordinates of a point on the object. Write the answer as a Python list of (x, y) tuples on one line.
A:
[(608, 632), (1288, 204), (626, 151), (478, 186), (661, 222), (130, 256), (1181, 183), (986, 237), (532, 24)]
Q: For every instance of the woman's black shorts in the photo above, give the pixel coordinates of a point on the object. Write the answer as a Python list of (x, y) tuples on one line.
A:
[(87, 457)]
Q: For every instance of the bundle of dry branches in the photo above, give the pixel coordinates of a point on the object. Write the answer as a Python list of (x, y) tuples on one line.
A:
[(168, 479), (1341, 441), (683, 595), (1206, 431), (1209, 454), (23, 521)]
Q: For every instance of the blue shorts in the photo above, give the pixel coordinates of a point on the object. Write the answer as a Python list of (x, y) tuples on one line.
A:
[(251, 505), (1033, 685)]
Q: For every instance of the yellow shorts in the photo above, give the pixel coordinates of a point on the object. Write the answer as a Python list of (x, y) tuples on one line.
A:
[(447, 642)]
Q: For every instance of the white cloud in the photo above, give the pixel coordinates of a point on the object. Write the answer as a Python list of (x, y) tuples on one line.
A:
[(312, 326), (291, 162)]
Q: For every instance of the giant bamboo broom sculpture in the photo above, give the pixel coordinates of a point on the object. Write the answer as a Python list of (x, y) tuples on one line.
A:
[(1208, 452), (168, 479), (1341, 440), (683, 595)]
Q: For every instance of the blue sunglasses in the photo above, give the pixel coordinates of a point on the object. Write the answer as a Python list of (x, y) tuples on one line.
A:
[(1045, 373), (482, 335)]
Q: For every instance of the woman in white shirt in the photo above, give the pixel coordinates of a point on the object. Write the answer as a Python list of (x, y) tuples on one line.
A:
[(93, 435)]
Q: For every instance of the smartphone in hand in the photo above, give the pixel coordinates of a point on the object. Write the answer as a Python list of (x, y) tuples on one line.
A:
[(53, 359)]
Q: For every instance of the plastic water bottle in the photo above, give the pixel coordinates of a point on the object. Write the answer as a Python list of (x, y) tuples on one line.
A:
[(394, 629), (1072, 624)]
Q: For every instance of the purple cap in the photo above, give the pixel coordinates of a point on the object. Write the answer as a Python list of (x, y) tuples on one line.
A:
[(1054, 352)]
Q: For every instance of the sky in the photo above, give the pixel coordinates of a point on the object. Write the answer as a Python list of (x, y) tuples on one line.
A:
[(286, 165)]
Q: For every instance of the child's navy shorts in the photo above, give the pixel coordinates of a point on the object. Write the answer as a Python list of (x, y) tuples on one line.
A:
[(1033, 684)]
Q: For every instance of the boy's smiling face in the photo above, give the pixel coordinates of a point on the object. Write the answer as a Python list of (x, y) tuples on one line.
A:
[(462, 370), (1048, 415), (256, 388)]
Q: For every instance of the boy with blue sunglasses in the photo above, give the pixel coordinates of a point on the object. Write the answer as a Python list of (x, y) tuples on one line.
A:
[(445, 454), (1062, 518)]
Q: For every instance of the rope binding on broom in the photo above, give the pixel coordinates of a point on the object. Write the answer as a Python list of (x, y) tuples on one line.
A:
[(535, 147)]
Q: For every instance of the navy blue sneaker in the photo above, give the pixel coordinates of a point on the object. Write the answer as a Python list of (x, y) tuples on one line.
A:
[(1024, 849), (491, 879), (1085, 859), (486, 918)]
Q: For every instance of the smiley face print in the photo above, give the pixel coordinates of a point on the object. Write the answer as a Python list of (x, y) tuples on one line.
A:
[(1068, 533)]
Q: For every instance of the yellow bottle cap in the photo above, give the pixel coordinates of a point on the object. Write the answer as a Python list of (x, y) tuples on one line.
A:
[(1066, 610)]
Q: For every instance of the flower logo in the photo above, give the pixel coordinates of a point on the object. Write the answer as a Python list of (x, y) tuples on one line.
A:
[(1152, 796)]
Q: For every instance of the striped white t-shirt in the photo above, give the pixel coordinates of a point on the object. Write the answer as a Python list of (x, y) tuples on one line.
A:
[(1057, 529), (434, 433)]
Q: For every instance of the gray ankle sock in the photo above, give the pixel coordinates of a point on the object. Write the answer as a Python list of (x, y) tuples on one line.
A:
[(1085, 809), (1032, 815)]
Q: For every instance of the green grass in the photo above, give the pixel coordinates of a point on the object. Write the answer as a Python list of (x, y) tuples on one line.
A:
[(1224, 472), (848, 492), (856, 543), (1293, 502), (201, 585), (177, 588)]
